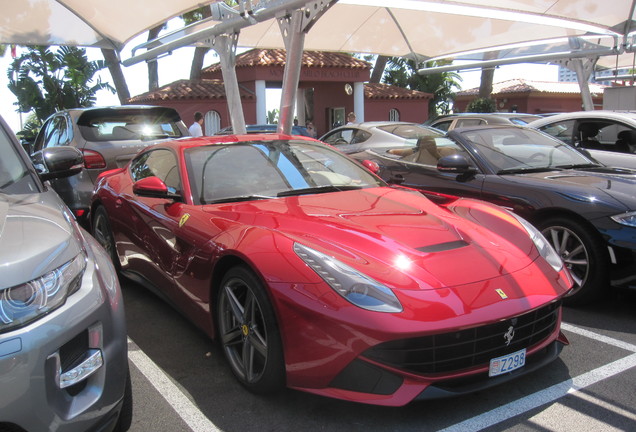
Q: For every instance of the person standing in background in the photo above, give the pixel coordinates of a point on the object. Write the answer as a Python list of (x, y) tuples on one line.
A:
[(351, 118), (195, 129)]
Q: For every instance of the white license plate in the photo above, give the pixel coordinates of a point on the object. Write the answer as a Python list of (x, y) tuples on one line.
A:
[(507, 363)]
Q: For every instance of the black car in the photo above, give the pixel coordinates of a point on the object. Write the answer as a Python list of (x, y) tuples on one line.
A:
[(586, 210)]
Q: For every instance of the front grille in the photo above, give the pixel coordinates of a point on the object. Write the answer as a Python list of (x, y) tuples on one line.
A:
[(468, 348)]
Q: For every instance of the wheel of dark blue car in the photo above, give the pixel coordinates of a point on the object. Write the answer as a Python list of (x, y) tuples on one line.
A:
[(584, 255), (248, 332), (104, 234)]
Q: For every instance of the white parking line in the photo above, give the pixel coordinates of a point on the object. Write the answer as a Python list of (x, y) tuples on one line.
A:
[(197, 421), (182, 405), (555, 392)]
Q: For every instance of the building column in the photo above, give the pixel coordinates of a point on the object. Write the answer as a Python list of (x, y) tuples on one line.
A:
[(358, 101), (300, 106), (261, 102)]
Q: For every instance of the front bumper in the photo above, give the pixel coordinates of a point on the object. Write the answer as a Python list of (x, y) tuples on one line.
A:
[(34, 360)]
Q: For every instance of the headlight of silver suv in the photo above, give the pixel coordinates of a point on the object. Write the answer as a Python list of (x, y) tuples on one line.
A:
[(24, 303), (354, 286), (628, 219)]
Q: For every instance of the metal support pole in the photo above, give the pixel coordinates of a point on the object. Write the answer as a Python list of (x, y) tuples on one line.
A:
[(294, 38), (225, 46), (583, 76)]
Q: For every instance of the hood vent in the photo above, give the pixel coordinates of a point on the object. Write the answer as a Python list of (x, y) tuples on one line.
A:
[(440, 247)]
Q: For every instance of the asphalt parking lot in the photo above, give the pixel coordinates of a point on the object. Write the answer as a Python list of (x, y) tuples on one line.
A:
[(181, 383)]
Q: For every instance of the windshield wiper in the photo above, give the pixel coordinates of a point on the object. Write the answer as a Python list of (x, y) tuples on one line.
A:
[(317, 189), (239, 198), (576, 166), (528, 170)]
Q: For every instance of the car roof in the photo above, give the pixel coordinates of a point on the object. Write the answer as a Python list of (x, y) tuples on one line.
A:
[(190, 142), (607, 114)]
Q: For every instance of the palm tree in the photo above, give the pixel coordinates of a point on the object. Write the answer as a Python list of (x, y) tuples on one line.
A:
[(402, 72)]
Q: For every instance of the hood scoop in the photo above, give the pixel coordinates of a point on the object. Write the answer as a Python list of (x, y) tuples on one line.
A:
[(441, 247)]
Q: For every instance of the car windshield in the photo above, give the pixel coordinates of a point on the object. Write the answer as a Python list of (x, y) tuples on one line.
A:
[(129, 124), (517, 149), (270, 169), (14, 175)]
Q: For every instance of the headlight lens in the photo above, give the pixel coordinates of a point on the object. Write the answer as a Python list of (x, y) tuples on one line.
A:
[(543, 245), (628, 219), (24, 303), (354, 286)]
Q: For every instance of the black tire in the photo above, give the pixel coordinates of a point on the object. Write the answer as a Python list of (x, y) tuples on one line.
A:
[(103, 233), (248, 332), (583, 253), (126, 414)]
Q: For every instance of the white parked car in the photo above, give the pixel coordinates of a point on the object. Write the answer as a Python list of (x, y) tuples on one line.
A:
[(609, 136)]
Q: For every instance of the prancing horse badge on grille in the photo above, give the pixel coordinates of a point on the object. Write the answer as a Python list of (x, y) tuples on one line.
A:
[(509, 335)]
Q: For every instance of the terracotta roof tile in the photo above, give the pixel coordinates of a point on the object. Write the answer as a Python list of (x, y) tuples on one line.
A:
[(385, 91), (188, 89), (276, 57), (526, 86)]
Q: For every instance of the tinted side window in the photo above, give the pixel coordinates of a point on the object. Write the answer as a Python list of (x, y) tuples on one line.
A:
[(443, 125), (561, 130), (160, 163)]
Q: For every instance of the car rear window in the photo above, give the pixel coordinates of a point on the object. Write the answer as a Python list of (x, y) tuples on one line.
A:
[(113, 124), (409, 131)]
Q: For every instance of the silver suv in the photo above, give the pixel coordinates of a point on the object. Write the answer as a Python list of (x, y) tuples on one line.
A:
[(63, 346), (108, 137)]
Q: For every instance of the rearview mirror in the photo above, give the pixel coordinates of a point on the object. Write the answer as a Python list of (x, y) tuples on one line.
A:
[(455, 163), (57, 162), (153, 187)]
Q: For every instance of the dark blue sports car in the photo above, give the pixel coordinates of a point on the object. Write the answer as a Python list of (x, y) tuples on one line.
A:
[(585, 209)]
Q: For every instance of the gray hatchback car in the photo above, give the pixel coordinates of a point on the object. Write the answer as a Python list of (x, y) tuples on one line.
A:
[(108, 137), (63, 345)]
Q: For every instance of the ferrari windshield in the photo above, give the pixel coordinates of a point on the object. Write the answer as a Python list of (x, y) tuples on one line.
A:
[(519, 149), (270, 169)]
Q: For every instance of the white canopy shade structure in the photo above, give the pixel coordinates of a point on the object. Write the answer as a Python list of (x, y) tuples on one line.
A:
[(419, 29), (89, 23)]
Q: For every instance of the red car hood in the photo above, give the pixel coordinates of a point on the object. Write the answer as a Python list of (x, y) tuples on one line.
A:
[(396, 237)]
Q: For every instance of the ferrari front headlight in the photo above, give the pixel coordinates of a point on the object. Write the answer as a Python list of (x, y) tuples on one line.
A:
[(354, 286), (542, 244), (27, 302)]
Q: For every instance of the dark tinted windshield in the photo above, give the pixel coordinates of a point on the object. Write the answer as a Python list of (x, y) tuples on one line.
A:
[(262, 169), (112, 124), (14, 176), (521, 148)]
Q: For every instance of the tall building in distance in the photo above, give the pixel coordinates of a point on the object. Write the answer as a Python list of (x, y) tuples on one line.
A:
[(567, 75)]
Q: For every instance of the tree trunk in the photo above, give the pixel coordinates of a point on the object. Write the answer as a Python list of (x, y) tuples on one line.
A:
[(119, 80), (487, 75), (197, 62), (378, 69), (153, 66)]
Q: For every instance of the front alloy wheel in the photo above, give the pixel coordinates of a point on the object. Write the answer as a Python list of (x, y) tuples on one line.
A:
[(248, 332), (583, 255)]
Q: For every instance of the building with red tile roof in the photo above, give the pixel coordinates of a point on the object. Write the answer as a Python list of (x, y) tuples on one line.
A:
[(533, 97), (331, 85)]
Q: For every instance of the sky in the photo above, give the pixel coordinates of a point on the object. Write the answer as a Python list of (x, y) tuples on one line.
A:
[(177, 66)]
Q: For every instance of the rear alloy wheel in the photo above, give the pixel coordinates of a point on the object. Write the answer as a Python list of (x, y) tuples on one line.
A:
[(248, 332), (104, 234), (584, 255)]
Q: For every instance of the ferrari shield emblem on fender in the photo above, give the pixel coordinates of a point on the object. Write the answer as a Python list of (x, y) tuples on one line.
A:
[(184, 219), (501, 293)]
